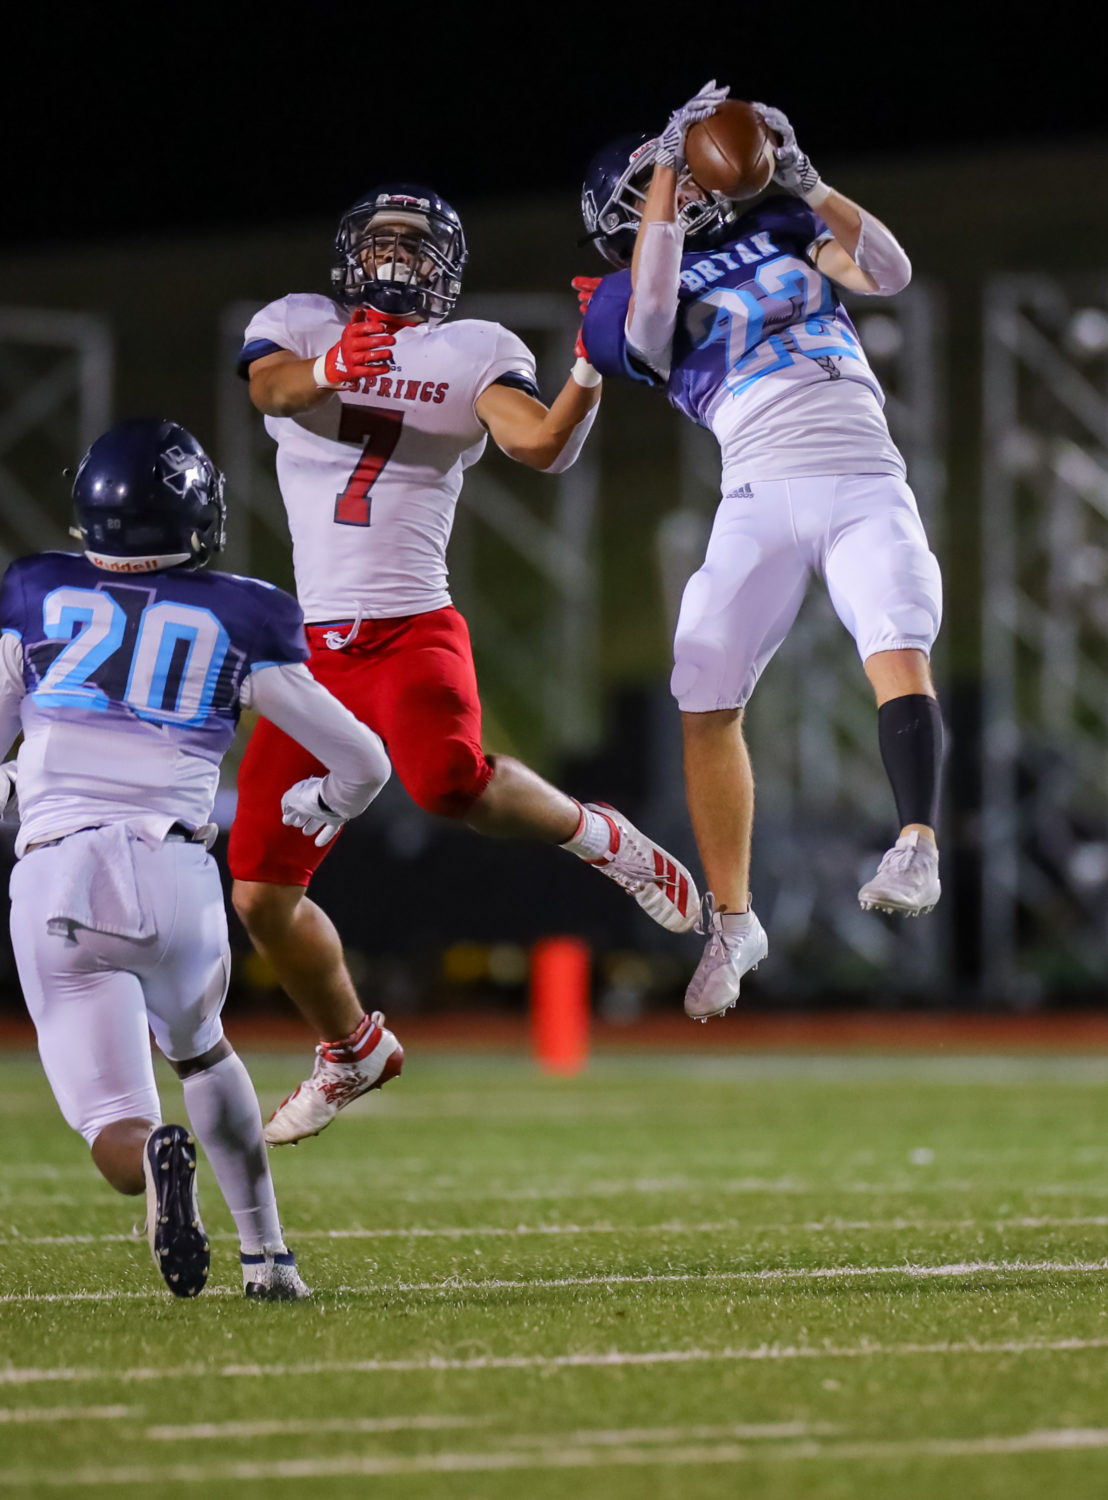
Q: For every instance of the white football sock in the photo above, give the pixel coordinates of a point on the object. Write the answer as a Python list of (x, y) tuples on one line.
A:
[(224, 1112), (593, 838)]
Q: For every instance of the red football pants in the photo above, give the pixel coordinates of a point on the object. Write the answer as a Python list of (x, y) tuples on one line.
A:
[(412, 680)]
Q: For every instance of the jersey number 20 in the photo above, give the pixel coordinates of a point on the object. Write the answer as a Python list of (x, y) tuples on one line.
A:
[(380, 431), (168, 677)]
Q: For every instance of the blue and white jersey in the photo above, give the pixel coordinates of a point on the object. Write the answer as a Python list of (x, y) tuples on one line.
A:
[(764, 353), (128, 688)]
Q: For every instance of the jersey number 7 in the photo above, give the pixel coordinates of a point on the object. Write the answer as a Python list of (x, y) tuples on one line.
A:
[(380, 432)]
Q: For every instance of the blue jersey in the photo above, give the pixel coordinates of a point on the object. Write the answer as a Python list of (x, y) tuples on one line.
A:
[(132, 684), (755, 318), (168, 649)]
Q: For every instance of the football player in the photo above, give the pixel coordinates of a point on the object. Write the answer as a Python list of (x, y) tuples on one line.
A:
[(735, 314), (126, 667), (378, 404)]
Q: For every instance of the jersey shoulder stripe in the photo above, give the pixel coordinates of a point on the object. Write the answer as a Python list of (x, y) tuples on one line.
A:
[(255, 349)]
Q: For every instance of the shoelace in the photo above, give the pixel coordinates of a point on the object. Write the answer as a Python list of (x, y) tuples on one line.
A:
[(333, 1080), (898, 859), (337, 1086), (641, 863), (719, 941)]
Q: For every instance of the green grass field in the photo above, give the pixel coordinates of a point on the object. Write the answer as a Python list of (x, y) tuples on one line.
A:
[(673, 1277)]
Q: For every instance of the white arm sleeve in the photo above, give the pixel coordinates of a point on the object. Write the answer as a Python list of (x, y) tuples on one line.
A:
[(12, 690), (654, 316), (290, 697), (574, 443), (881, 257)]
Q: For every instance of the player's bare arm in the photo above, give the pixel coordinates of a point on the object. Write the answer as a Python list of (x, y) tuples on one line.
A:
[(534, 434), (283, 384)]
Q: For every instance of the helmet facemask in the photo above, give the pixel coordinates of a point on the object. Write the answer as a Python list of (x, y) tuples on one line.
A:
[(401, 261), (613, 224)]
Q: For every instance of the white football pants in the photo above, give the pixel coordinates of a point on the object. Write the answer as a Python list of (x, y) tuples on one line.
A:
[(95, 998), (860, 532)]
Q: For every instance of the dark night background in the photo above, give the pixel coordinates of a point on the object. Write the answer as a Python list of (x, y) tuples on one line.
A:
[(120, 119)]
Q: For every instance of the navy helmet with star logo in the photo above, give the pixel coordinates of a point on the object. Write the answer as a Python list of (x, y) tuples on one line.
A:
[(613, 196), (147, 497)]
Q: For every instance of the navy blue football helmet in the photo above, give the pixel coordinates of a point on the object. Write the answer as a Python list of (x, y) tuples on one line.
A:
[(401, 251), (614, 191), (147, 497)]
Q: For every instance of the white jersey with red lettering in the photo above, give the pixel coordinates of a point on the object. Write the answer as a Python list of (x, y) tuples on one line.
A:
[(371, 477)]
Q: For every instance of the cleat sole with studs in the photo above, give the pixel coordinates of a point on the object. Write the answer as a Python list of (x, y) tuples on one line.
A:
[(178, 1242)]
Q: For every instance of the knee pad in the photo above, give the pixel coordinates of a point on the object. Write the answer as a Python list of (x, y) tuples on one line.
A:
[(908, 610), (707, 675), (449, 778), (139, 1104)]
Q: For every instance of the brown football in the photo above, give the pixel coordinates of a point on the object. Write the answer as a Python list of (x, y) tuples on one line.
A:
[(731, 152)]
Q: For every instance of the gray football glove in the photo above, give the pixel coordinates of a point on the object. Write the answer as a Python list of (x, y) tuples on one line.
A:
[(795, 172), (671, 143), (303, 807)]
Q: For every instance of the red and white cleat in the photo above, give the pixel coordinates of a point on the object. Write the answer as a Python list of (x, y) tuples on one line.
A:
[(342, 1073), (659, 883)]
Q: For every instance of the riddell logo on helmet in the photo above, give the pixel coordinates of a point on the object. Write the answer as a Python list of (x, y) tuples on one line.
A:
[(125, 564), (391, 200)]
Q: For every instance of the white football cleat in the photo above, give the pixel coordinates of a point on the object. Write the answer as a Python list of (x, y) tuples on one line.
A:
[(729, 953), (659, 883), (907, 879), (173, 1228), (341, 1075), (272, 1277)]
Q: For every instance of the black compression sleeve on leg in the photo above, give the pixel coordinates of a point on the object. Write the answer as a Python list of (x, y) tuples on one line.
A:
[(910, 733)]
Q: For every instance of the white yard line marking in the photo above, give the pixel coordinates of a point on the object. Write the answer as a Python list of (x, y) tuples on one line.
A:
[(746, 1431), (555, 1456), (906, 1186), (651, 1278), (745, 1227), (612, 1359), (220, 1431), (20, 1415), (198, 1431)]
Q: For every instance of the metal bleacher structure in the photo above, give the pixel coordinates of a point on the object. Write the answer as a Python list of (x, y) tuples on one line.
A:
[(526, 569), (55, 396), (1044, 815)]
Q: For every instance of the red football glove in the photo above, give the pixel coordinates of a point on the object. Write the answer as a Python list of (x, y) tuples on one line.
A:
[(584, 286), (365, 349)]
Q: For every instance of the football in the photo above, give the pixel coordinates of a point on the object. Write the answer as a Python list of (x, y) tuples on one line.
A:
[(731, 152)]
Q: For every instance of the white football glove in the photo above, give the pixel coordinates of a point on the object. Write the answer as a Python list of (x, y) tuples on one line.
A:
[(8, 802), (303, 807), (670, 151), (794, 172)]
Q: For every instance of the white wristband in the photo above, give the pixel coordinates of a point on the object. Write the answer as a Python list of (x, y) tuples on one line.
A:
[(585, 375), (815, 195), (318, 374)]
